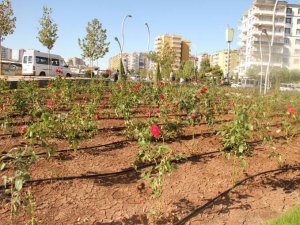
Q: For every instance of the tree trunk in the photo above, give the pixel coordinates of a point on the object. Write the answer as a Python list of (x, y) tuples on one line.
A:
[(0, 55), (49, 62)]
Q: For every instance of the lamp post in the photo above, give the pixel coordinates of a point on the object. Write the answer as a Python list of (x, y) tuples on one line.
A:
[(123, 23), (148, 62), (121, 53), (264, 31), (229, 39), (271, 45)]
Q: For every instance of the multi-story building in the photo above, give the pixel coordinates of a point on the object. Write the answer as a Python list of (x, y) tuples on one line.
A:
[(220, 58), (179, 46), (75, 62), (256, 35), (132, 61), (114, 62), (6, 53), (17, 54)]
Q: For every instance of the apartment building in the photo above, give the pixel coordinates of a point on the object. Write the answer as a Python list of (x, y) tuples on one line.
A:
[(256, 35), (131, 61), (6, 53), (179, 46), (75, 62), (17, 54), (220, 58)]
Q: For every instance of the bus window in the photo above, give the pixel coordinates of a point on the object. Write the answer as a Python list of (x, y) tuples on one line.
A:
[(29, 59), (41, 60), (55, 62), (25, 59)]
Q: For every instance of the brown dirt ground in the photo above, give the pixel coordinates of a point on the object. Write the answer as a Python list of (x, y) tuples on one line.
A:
[(125, 199)]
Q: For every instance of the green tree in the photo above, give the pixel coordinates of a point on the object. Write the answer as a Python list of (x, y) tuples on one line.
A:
[(47, 32), (204, 67), (164, 59), (186, 70), (216, 73), (253, 72), (94, 45), (7, 24)]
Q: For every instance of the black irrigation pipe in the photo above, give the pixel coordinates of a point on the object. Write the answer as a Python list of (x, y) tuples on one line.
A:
[(111, 174), (6, 159), (212, 201)]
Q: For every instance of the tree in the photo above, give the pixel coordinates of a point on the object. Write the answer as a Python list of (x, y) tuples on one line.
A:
[(204, 67), (186, 70), (164, 59), (7, 24), (48, 32), (253, 72), (94, 45)]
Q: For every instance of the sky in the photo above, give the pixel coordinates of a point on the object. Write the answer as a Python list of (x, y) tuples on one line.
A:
[(203, 22)]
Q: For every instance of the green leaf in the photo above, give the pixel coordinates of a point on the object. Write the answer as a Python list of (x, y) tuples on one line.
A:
[(18, 184), (2, 166)]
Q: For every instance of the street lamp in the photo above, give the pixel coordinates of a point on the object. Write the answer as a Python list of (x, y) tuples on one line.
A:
[(121, 53), (264, 31), (271, 45), (147, 69), (229, 39), (123, 23)]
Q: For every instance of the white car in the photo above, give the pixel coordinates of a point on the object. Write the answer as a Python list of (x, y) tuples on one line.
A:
[(287, 87), (236, 85), (135, 77)]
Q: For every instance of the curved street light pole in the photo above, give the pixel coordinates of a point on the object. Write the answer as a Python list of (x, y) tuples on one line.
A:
[(264, 31), (122, 31), (271, 45), (148, 47), (121, 53)]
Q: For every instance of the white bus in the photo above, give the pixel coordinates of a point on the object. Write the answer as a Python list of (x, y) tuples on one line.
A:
[(36, 63)]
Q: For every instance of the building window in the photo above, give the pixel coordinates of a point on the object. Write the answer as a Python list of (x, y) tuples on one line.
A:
[(288, 20), (298, 32), (287, 30), (298, 21), (286, 41), (297, 51), (297, 41), (298, 11), (289, 10)]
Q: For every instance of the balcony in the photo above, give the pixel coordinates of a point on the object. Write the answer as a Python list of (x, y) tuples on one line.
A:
[(265, 12), (268, 23)]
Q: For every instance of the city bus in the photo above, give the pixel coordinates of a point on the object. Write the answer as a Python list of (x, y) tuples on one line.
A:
[(35, 63)]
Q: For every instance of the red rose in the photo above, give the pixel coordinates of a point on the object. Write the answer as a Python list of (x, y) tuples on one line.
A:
[(162, 97), (155, 131), (8, 101), (148, 114), (97, 116), (50, 104), (203, 90), (58, 71), (194, 115), (137, 87), (156, 111), (22, 129), (1, 108), (291, 110)]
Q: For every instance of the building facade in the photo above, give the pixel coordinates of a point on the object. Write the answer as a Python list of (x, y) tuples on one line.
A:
[(179, 46), (17, 54), (132, 61), (256, 35), (221, 59), (6, 53), (75, 62)]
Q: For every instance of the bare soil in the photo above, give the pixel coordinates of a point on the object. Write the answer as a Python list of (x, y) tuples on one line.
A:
[(125, 199)]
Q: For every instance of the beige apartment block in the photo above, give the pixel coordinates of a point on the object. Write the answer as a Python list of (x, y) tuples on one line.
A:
[(221, 59), (179, 46), (256, 35)]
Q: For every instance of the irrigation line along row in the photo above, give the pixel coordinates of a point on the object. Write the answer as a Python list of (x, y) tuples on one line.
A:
[(111, 174), (212, 201)]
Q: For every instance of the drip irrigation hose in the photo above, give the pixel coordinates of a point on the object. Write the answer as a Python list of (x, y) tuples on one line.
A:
[(6, 159), (111, 174), (211, 202)]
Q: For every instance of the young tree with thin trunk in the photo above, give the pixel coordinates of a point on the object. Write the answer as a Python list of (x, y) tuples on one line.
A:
[(47, 32), (94, 45), (7, 24)]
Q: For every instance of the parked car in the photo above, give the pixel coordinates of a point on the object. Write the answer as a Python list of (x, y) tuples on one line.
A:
[(135, 77), (236, 85), (289, 87)]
